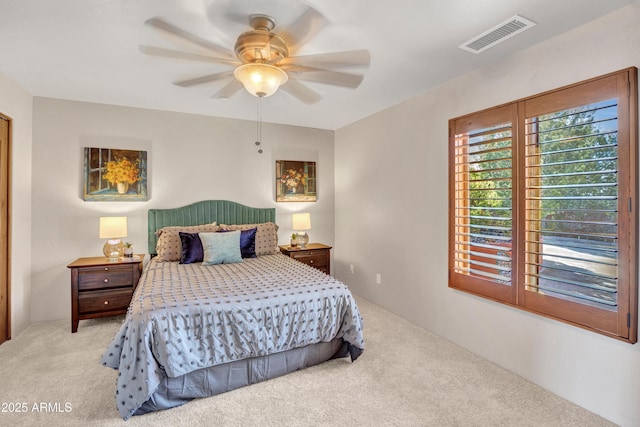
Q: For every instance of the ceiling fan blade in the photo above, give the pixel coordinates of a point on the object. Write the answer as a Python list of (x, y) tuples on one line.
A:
[(187, 56), (203, 79), (303, 29), (228, 90), (301, 91), (347, 59), (168, 29), (327, 77), (225, 14), (234, 16)]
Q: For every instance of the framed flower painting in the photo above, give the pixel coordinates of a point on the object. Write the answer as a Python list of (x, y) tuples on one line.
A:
[(296, 181), (114, 175)]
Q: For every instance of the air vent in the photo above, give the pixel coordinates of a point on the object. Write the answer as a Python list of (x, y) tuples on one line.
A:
[(497, 34)]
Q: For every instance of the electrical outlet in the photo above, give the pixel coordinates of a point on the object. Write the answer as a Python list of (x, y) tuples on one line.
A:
[(351, 269), (379, 278)]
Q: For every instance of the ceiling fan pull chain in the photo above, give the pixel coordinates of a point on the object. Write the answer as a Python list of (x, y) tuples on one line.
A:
[(259, 126)]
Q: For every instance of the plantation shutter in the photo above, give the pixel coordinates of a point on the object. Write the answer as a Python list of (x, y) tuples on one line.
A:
[(482, 195), (543, 204), (576, 205)]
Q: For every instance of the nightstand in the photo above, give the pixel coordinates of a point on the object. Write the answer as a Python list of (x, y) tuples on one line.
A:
[(314, 254), (100, 288)]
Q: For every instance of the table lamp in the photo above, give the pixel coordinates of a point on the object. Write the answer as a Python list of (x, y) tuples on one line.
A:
[(301, 222), (113, 228)]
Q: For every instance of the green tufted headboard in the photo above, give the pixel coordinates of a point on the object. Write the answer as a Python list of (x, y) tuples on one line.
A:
[(205, 212)]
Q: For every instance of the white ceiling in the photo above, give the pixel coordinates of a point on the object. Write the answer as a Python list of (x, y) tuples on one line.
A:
[(87, 50)]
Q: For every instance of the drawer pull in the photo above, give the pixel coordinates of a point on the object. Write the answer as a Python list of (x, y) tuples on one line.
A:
[(311, 262), (106, 302), (106, 269), (106, 280)]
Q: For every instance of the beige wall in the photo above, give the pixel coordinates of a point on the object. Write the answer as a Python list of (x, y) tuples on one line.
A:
[(17, 103), (190, 158), (391, 218)]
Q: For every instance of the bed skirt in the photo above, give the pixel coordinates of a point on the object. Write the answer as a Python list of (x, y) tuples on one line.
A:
[(218, 379)]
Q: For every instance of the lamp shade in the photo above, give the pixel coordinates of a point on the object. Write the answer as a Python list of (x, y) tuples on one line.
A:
[(112, 227), (260, 80), (301, 221)]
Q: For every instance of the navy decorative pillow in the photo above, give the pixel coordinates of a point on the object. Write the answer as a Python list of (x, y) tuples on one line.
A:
[(192, 250), (247, 242)]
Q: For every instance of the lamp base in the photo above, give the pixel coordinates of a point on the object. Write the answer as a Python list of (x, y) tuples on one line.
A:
[(113, 249), (302, 238)]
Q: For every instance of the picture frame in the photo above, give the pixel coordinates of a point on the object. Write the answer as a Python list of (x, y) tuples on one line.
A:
[(296, 181), (114, 175)]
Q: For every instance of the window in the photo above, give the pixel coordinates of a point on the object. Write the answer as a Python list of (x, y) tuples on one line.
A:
[(543, 204)]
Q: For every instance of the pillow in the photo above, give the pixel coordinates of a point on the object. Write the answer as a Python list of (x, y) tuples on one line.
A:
[(266, 236), (192, 250), (169, 246), (221, 248), (247, 242)]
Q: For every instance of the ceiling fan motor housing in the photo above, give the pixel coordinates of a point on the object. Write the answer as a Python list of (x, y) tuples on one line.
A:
[(260, 44), (263, 60)]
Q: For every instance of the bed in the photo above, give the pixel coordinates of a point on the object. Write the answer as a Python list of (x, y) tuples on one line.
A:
[(197, 329)]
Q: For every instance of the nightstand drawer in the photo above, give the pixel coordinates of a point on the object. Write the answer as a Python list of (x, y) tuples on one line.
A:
[(105, 277), (97, 301), (315, 259)]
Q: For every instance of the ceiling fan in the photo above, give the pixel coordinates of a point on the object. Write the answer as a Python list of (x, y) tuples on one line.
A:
[(263, 61)]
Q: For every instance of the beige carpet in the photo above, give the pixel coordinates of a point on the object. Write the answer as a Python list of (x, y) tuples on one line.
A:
[(406, 377)]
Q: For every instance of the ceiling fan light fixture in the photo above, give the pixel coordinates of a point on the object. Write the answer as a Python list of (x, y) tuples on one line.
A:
[(260, 80)]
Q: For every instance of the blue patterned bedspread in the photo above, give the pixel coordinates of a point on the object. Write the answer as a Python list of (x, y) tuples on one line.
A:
[(185, 317)]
